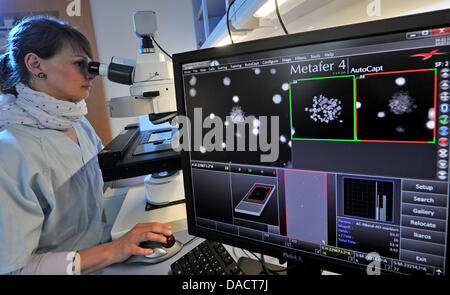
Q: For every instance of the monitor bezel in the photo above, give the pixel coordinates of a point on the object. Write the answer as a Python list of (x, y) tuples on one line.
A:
[(415, 22)]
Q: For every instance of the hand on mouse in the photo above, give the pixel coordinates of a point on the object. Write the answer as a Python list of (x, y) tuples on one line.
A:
[(128, 244), (170, 242)]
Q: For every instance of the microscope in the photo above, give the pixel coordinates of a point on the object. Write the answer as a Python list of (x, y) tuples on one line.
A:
[(152, 93), (150, 76)]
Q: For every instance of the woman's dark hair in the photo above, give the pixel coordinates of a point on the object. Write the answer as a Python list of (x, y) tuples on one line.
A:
[(42, 35)]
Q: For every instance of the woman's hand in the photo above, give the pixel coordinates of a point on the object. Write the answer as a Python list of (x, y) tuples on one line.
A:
[(128, 244)]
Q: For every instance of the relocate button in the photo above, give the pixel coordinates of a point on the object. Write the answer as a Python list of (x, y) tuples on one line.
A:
[(424, 223), (436, 187)]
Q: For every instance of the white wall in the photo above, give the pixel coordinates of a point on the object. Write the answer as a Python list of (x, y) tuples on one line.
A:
[(344, 12), (114, 31), (325, 14)]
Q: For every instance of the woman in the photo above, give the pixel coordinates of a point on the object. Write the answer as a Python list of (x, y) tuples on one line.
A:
[(50, 182)]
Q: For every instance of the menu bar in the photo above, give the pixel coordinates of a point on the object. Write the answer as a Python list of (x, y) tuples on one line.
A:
[(214, 65)]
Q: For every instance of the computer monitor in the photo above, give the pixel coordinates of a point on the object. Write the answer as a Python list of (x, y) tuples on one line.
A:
[(328, 145)]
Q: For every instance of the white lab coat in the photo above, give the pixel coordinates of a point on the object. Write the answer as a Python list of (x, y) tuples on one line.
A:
[(51, 197)]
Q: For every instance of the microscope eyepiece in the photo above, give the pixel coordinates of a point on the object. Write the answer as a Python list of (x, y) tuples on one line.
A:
[(98, 69), (119, 73), (94, 68)]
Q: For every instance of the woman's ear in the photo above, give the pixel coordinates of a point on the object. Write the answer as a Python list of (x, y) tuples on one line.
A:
[(34, 64)]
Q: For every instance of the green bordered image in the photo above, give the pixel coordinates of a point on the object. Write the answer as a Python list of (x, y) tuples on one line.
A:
[(344, 128)]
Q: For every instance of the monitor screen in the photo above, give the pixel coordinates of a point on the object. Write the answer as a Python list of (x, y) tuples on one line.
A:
[(330, 144)]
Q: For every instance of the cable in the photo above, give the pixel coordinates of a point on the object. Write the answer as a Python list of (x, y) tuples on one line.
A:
[(190, 241), (265, 269), (277, 9), (261, 261), (161, 48), (228, 22)]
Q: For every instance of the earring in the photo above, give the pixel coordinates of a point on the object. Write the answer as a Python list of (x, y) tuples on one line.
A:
[(42, 75)]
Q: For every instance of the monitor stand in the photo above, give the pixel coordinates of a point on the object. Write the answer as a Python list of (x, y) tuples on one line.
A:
[(303, 268), (250, 266)]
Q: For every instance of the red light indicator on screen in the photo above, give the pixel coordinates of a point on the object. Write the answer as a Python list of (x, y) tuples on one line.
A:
[(440, 31)]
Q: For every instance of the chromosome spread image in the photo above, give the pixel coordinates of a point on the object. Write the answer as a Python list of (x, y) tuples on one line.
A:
[(396, 106), (323, 108), (401, 103)]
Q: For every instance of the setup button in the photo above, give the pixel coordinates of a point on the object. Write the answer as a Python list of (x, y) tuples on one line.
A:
[(435, 187)]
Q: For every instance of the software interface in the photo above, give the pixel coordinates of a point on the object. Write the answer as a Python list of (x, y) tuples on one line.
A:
[(362, 162)]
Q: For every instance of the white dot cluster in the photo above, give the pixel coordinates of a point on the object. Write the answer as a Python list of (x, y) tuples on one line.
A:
[(325, 109), (401, 103)]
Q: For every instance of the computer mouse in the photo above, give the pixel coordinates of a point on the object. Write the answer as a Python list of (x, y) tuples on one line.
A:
[(159, 249), (157, 252)]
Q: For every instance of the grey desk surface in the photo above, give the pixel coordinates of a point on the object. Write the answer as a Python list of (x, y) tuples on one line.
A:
[(162, 268)]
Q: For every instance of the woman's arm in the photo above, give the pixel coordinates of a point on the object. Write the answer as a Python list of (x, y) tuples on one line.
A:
[(50, 263), (98, 257)]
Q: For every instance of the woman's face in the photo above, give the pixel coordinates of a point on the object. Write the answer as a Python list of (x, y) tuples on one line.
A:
[(67, 76)]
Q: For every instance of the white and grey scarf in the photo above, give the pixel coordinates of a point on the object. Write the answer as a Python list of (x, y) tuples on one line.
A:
[(38, 109)]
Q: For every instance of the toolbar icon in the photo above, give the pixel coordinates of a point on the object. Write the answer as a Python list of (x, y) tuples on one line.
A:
[(443, 119), (443, 164), (443, 153), (444, 96), (443, 141), (442, 175), (443, 130)]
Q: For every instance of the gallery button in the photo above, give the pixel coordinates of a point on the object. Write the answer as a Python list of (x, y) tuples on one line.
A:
[(436, 187), (424, 223), (422, 258), (424, 199), (424, 211)]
